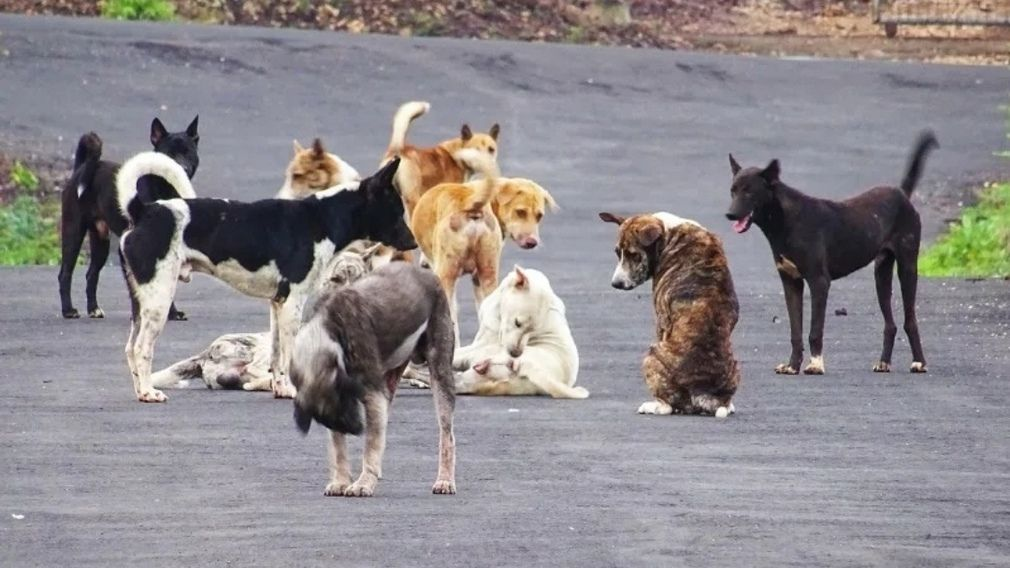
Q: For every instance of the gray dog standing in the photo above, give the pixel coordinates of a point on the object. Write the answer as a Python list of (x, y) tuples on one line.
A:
[(351, 352)]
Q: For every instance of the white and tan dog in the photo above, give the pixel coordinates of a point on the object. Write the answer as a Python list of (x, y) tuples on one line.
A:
[(312, 170), (523, 346)]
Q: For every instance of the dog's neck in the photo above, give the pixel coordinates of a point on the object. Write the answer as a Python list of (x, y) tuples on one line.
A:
[(341, 217), (773, 218)]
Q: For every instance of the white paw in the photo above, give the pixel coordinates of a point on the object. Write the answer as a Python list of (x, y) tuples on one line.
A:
[(336, 488), (580, 393), (444, 487), (918, 367), (816, 366), (358, 489), (722, 412), (655, 407), (96, 313), (151, 395), (282, 389)]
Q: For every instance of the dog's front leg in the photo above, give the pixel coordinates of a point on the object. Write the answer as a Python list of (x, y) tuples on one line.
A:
[(793, 288), (340, 468), (819, 287), (376, 418), (284, 327)]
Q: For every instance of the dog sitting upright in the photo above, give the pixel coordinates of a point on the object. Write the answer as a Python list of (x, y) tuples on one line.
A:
[(353, 350), (523, 345), (816, 241), (89, 206), (274, 249), (314, 169), (424, 168), (690, 369)]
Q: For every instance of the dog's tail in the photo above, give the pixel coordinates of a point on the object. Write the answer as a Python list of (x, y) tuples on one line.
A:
[(401, 122), (186, 369), (487, 186), (923, 144), (149, 164), (86, 159)]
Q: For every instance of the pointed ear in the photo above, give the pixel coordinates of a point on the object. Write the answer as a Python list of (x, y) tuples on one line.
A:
[(650, 234), (297, 146), (611, 218), (158, 132), (771, 171), (550, 200), (495, 130), (370, 252), (387, 173), (521, 279), (191, 130), (733, 166), (465, 133), (317, 148)]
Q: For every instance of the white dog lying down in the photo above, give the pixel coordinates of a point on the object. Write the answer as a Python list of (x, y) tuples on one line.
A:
[(523, 346), (242, 360)]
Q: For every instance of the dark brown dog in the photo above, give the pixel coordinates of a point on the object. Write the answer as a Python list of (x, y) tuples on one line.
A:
[(690, 369), (816, 241)]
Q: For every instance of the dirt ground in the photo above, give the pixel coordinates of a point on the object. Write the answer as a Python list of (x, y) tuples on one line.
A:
[(767, 27)]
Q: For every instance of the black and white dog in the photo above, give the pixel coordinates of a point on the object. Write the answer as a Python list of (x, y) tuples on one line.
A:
[(275, 249), (90, 206)]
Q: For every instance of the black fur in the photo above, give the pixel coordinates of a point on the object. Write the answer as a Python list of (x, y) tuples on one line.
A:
[(95, 211), (815, 241)]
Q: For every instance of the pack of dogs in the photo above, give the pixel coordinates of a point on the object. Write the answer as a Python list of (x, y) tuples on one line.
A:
[(354, 315)]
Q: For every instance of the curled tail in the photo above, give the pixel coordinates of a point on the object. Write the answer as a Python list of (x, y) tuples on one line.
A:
[(86, 159), (149, 164), (923, 144), (485, 188), (401, 122)]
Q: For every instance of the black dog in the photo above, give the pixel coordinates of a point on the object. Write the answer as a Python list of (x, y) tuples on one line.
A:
[(90, 206), (817, 241)]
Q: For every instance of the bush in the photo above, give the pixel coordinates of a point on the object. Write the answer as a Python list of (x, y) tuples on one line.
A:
[(28, 232), (157, 10), (978, 245)]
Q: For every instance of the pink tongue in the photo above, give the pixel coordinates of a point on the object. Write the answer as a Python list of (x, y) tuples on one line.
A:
[(740, 225)]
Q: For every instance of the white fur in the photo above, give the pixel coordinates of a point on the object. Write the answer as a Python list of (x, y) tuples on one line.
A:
[(404, 350), (150, 163), (670, 220), (657, 407), (549, 363), (331, 191), (348, 175), (621, 276), (402, 119)]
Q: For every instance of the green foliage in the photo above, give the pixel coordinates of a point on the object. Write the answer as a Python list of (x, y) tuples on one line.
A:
[(978, 245), (28, 232), (157, 10), (23, 177)]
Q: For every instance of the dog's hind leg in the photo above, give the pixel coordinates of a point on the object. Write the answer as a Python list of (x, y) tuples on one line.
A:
[(98, 240), (284, 326), (793, 288), (152, 319), (340, 467), (72, 234), (438, 351), (908, 275), (883, 273), (182, 370), (376, 419), (819, 287)]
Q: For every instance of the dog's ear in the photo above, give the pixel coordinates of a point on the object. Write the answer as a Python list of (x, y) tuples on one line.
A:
[(521, 279), (733, 166), (465, 133), (297, 146), (650, 234), (158, 132), (495, 129), (192, 131), (386, 174), (303, 419), (771, 172), (611, 218), (550, 200), (317, 149)]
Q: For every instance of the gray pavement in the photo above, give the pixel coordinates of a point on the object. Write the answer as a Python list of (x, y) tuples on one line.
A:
[(851, 468)]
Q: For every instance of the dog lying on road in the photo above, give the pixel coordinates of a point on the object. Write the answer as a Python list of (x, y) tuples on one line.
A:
[(89, 207), (523, 345), (274, 249), (242, 360), (690, 369), (816, 241), (352, 352)]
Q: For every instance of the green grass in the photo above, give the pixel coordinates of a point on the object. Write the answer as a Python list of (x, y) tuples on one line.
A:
[(158, 10), (978, 245), (28, 224)]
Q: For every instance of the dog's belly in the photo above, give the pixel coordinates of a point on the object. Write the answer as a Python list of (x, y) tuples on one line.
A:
[(261, 283), (402, 353)]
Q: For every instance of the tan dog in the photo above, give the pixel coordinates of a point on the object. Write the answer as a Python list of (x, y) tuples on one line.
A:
[(451, 161), (459, 227), (314, 169), (690, 369)]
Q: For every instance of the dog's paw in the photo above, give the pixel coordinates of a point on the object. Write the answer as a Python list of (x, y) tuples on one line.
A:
[(785, 369), (358, 489), (96, 313), (444, 487), (917, 367), (816, 366), (71, 314), (481, 367), (580, 393), (177, 316), (335, 488), (723, 411), (657, 407), (282, 389), (882, 367), (152, 395)]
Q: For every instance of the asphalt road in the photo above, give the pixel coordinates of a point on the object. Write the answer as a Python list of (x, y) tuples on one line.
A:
[(848, 469)]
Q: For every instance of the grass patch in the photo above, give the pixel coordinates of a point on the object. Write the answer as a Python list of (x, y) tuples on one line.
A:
[(978, 245), (157, 10), (28, 223)]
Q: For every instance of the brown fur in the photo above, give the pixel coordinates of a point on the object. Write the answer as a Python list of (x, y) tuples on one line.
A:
[(691, 366), (311, 170)]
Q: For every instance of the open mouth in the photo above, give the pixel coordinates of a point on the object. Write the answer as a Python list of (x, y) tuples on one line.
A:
[(741, 225)]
